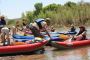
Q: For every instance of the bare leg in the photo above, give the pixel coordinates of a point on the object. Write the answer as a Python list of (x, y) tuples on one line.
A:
[(79, 38), (25, 32)]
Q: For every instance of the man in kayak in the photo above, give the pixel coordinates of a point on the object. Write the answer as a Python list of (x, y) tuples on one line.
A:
[(38, 25), (73, 29), (81, 35)]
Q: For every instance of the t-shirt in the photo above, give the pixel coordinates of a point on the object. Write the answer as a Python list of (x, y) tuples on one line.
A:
[(43, 23), (30, 24)]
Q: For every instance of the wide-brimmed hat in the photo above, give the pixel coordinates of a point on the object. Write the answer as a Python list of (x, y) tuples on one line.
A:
[(82, 27), (2, 16)]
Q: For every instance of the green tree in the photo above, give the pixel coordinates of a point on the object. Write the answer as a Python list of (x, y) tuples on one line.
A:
[(38, 8), (51, 7), (29, 16), (69, 4), (23, 15), (11, 22)]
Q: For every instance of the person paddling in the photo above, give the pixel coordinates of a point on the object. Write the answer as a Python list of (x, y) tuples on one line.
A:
[(73, 29), (38, 25), (81, 35)]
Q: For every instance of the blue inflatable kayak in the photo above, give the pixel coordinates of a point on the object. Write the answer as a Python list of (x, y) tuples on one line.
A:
[(29, 37), (60, 33), (50, 33), (23, 40), (67, 33)]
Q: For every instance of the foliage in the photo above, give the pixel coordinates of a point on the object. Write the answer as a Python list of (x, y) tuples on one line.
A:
[(70, 4), (11, 22), (38, 7), (67, 14)]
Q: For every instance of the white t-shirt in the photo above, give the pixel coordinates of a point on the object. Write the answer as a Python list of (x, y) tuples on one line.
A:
[(30, 25), (43, 23)]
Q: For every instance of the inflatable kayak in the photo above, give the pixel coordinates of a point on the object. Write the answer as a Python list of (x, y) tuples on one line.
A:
[(29, 37), (27, 32), (67, 33), (61, 45), (47, 38), (50, 33), (22, 48)]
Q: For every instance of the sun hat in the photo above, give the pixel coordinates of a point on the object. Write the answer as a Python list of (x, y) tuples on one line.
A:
[(81, 27), (47, 19), (2, 16), (72, 25)]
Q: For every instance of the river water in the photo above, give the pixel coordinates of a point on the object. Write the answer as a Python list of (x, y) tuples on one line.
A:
[(51, 53)]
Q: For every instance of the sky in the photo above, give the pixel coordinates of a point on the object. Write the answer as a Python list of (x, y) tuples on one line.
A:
[(14, 8)]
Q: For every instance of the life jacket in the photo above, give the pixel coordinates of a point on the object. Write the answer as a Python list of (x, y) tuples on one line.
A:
[(80, 32), (2, 22), (72, 30), (38, 21)]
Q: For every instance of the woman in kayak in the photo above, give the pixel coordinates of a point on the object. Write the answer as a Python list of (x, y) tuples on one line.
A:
[(73, 29), (81, 35)]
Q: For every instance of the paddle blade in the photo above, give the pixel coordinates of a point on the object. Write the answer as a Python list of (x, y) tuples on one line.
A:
[(64, 26), (64, 37), (18, 43)]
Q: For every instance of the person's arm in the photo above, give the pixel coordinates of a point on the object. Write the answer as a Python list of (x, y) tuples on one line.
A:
[(76, 34), (75, 29), (45, 27)]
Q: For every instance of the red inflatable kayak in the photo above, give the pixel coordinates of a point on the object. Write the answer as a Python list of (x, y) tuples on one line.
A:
[(22, 48), (70, 44)]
